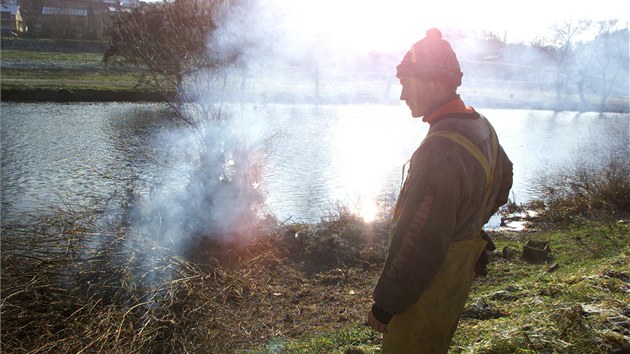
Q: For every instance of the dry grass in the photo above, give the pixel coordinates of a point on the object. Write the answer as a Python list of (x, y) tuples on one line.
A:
[(70, 284), (80, 280), (584, 191), (290, 289)]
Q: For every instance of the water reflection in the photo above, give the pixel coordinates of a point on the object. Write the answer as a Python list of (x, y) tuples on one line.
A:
[(338, 154), (64, 154), (365, 156)]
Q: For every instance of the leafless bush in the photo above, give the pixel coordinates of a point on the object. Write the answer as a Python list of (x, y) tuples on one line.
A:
[(583, 190)]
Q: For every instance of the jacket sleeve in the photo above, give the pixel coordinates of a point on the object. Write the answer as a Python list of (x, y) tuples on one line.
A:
[(506, 180), (419, 239)]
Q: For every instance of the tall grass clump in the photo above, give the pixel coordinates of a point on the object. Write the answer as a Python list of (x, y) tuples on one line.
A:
[(77, 281), (583, 190), (340, 239), (69, 285)]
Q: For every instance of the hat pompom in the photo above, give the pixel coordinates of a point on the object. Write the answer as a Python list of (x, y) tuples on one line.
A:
[(434, 34), (431, 58)]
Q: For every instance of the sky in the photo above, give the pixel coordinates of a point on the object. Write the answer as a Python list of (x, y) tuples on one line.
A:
[(388, 24), (393, 24)]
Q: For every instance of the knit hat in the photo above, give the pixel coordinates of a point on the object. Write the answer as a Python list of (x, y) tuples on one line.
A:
[(431, 58)]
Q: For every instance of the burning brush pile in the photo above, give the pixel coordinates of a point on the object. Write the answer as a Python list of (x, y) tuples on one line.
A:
[(72, 282)]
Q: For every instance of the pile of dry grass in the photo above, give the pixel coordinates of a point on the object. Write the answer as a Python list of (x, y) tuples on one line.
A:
[(70, 284)]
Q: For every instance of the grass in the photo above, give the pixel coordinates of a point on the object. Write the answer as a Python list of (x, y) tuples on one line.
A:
[(292, 289), (55, 59), (579, 308), (68, 80), (354, 339), (33, 70), (586, 191), (520, 307)]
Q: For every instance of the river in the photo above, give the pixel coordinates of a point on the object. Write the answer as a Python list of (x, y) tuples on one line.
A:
[(316, 156)]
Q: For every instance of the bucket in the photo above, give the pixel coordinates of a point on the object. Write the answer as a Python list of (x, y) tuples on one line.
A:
[(536, 251)]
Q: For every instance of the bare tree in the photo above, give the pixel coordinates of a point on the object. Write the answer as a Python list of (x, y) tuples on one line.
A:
[(611, 60), (168, 42), (564, 38)]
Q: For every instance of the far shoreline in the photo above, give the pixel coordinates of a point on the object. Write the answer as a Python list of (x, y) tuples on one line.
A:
[(79, 76), (62, 95)]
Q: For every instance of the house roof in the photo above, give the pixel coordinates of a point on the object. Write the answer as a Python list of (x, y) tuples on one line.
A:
[(13, 9), (47, 10)]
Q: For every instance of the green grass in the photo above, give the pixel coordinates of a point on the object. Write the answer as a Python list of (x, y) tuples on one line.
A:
[(582, 307), (57, 58), (31, 70), (354, 339), (68, 79)]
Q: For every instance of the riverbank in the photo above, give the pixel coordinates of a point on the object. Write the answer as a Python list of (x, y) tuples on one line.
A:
[(25, 90), (73, 71), (67, 71), (302, 288), (77, 95)]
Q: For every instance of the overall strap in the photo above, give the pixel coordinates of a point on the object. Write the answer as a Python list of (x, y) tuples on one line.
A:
[(477, 154), (473, 150)]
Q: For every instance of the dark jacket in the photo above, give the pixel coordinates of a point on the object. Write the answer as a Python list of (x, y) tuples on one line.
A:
[(441, 202)]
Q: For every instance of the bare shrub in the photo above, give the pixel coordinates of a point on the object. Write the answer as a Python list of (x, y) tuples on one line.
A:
[(585, 191)]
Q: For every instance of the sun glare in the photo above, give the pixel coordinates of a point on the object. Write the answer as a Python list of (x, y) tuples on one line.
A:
[(348, 24), (397, 24), (380, 25), (362, 160), (369, 211)]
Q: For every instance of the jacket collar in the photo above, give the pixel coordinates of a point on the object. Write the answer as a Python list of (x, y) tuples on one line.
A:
[(453, 105)]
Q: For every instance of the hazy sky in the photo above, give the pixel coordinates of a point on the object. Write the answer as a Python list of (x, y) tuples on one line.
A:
[(365, 23), (396, 24)]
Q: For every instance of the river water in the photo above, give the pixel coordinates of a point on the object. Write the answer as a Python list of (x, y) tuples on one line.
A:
[(316, 156)]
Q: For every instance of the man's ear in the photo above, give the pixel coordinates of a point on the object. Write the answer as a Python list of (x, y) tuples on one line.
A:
[(442, 87)]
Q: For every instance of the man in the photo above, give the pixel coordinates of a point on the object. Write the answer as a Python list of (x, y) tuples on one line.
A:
[(457, 178)]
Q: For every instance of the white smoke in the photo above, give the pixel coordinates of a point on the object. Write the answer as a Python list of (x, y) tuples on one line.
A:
[(211, 188), (210, 185)]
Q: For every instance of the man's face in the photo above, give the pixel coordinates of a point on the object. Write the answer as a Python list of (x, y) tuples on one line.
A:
[(418, 94)]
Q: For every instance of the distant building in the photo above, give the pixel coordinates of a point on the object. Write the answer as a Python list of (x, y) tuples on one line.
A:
[(11, 23), (130, 4), (73, 19)]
